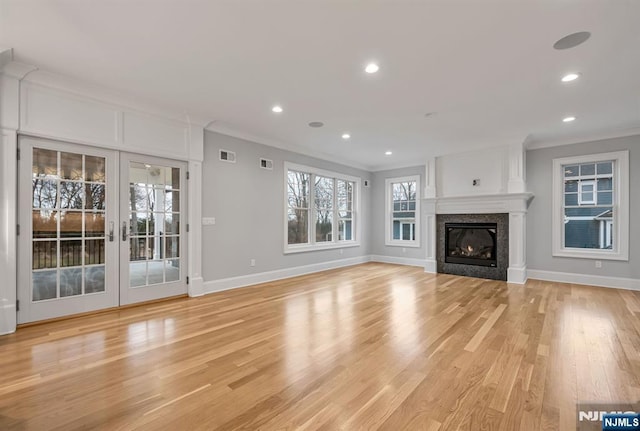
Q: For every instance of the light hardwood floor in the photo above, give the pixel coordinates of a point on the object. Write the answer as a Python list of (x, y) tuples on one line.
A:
[(373, 346)]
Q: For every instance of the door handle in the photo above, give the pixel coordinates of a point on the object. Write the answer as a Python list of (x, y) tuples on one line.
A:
[(124, 230), (111, 231)]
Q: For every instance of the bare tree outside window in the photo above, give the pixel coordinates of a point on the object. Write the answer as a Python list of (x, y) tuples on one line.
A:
[(298, 190)]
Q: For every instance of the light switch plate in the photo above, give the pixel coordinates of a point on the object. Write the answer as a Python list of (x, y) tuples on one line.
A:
[(208, 221)]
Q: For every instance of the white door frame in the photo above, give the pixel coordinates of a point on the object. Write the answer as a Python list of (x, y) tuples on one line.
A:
[(40, 310), (131, 295)]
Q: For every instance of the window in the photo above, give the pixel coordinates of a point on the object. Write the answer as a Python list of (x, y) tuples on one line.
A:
[(591, 206), (403, 211), (321, 209)]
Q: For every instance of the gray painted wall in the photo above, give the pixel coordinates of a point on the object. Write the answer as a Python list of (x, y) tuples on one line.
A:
[(247, 203), (378, 209), (539, 181)]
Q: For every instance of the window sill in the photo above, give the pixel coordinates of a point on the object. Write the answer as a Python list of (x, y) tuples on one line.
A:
[(319, 247), (588, 254), (411, 244)]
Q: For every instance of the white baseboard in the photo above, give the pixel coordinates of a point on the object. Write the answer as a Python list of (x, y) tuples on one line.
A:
[(590, 280), (431, 266), (7, 317), (264, 277), (517, 275), (196, 287), (398, 260)]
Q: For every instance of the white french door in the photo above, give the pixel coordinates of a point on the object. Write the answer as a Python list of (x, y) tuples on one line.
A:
[(152, 238), (98, 229)]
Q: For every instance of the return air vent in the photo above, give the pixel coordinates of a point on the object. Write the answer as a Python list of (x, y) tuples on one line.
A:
[(266, 164), (227, 156)]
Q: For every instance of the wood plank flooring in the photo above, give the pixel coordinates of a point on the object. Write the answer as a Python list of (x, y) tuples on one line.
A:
[(374, 346)]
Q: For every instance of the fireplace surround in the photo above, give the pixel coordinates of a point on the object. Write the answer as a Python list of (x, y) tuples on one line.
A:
[(474, 245)]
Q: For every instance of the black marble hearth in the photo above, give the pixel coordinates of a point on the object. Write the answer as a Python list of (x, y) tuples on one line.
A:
[(493, 229)]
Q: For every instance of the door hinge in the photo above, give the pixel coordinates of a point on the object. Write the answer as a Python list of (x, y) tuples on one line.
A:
[(18, 305), (18, 153), (187, 280), (187, 174), (187, 227), (17, 229)]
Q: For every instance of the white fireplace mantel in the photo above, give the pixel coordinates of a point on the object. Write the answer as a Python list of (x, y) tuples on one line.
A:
[(515, 204), (481, 204)]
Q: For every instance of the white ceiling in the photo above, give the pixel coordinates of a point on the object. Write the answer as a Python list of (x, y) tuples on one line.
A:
[(486, 67)]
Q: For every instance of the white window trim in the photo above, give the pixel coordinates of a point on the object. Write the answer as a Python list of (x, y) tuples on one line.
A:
[(389, 210), (355, 219), (620, 204)]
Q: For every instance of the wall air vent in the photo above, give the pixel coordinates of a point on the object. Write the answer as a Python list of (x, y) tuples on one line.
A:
[(266, 164), (227, 156)]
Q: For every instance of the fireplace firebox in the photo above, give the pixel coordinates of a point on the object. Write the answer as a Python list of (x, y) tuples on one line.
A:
[(471, 243)]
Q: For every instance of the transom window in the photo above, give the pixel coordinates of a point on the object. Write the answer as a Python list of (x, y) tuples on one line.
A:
[(321, 209), (403, 211), (593, 212)]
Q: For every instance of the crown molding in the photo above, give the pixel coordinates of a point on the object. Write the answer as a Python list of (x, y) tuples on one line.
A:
[(581, 139), (215, 126)]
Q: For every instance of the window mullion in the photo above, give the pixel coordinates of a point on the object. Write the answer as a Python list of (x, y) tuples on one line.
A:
[(336, 221), (312, 209)]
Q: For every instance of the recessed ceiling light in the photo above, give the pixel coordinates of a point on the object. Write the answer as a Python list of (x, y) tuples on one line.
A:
[(277, 109), (568, 119), (316, 124), (570, 77), (572, 40), (346, 136), (388, 153), (372, 68)]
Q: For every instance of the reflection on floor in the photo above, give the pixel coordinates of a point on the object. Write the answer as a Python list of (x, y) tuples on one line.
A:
[(373, 346)]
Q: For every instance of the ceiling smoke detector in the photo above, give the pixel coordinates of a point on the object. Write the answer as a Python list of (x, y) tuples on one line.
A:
[(316, 124), (572, 40)]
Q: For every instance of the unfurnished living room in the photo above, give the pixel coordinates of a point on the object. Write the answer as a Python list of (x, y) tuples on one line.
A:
[(320, 215)]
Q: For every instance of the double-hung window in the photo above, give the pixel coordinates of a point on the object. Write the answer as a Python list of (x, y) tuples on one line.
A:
[(591, 206), (321, 209), (402, 222)]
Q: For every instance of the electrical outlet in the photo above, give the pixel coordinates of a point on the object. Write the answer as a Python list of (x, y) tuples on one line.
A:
[(404, 250), (476, 182), (598, 264), (341, 251), (252, 262)]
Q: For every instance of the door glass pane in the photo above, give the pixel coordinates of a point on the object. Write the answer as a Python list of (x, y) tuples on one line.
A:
[(44, 285), (172, 270), (156, 270), (94, 224), (94, 279), (45, 193), (71, 195), (94, 196), (44, 224), (44, 254), (154, 202), (93, 251), (94, 169), (71, 166), (45, 163), (70, 282), (138, 273), (70, 224), (69, 200)]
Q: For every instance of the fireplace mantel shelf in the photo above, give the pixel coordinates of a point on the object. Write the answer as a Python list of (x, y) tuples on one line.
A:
[(478, 204)]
